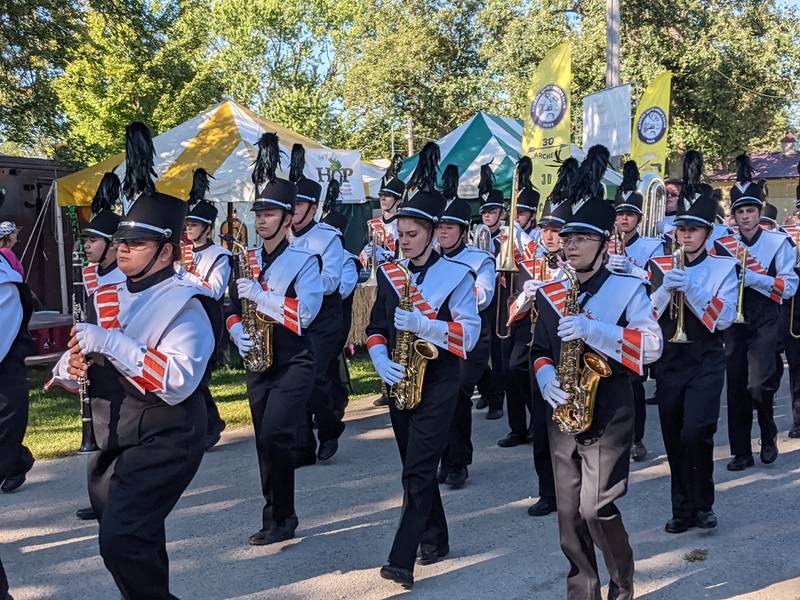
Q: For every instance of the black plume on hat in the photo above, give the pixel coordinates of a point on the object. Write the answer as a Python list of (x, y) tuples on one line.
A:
[(331, 196), (200, 186), (424, 176), (524, 172), (297, 163), (590, 174), (566, 179), (268, 159), (107, 194), (139, 153), (450, 182), (486, 182), (630, 177), (744, 168)]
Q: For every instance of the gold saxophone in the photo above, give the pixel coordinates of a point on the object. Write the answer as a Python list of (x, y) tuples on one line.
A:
[(411, 352), (259, 326), (575, 416)]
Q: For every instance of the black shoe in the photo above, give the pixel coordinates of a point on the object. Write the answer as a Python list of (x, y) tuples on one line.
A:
[(513, 439), (678, 525), (428, 556), (651, 401), (213, 436), (303, 457), (638, 451), (769, 451), (544, 506), (481, 403), (327, 449), (404, 577), (706, 519), (12, 483), (86, 514), (382, 401), (457, 477), (441, 475), (494, 413), (280, 531), (794, 432), (740, 463)]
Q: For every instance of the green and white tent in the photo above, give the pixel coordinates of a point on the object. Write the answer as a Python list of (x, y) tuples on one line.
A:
[(488, 138)]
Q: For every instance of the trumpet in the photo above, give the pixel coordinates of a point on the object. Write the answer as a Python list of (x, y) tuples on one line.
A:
[(742, 256), (508, 263), (677, 306), (620, 239), (372, 280)]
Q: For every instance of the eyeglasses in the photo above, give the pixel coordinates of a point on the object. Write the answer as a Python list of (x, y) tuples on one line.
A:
[(133, 244), (578, 240)]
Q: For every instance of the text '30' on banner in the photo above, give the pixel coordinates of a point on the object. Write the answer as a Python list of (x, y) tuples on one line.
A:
[(547, 131)]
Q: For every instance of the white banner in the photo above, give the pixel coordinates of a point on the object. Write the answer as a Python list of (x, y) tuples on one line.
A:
[(345, 165), (607, 119)]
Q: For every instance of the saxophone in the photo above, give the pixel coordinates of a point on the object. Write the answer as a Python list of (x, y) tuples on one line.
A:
[(411, 352), (575, 416), (259, 326)]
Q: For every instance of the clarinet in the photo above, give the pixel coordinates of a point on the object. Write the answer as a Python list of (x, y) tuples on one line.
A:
[(88, 444)]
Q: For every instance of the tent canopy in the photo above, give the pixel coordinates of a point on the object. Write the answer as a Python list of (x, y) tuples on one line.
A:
[(487, 138), (221, 140)]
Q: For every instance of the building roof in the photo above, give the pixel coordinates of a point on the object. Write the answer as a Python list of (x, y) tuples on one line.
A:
[(768, 165)]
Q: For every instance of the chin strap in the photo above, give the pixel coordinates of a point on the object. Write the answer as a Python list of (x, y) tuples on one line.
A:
[(105, 251), (591, 266), (153, 260), (278, 229), (458, 243), (425, 249), (308, 208)]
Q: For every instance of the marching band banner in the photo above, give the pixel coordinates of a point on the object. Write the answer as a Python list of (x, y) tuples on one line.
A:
[(547, 126), (650, 125)]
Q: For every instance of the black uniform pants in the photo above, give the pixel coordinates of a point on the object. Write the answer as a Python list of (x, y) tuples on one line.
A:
[(458, 453), (493, 380), (750, 370), (542, 460), (792, 348), (337, 369), (133, 489), (421, 436), (14, 403), (214, 421), (688, 398), (589, 478), (278, 399), (639, 407), (3, 583)]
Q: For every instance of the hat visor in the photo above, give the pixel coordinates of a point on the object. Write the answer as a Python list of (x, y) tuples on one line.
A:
[(134, 232), (198, 219), (554, 222), (413, 213), (454, 221), (746, 201), (490, 206), (690, 221), (582, 228), (267, 203)]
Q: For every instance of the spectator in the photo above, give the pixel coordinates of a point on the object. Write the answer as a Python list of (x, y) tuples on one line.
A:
[(8, 239)]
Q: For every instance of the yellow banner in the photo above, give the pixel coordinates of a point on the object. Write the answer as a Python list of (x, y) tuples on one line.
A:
[(650, 126), (547, 125)]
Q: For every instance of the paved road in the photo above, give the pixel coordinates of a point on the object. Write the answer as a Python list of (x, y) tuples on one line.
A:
[(348, 510)]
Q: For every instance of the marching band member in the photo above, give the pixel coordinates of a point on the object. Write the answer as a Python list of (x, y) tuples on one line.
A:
[(527, 205), (452, 231), (769, 278), (719, 229), (144, 350), (691, 376), (208, 266), (384, 229), (324, 332), (16, 307), (665, 226), (350, 273), (492, 382), (632, 258), (518, 378), (591, 468), (101, 253), (445, 316), (792, 344), (286, 287)]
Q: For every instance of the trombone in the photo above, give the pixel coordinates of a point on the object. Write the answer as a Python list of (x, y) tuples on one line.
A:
[(677, 306), (742, 256), (372, 280), (481, 238), (508, 263)]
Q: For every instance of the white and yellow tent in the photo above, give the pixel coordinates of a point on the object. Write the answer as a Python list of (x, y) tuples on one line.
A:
[(223, 140)]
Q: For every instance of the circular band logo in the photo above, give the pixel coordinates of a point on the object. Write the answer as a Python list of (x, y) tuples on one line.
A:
[(652, 125), (549, 107)]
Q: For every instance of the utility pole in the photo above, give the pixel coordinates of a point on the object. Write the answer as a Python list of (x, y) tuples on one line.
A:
[(392, 153), (410, 136), (612, 43)]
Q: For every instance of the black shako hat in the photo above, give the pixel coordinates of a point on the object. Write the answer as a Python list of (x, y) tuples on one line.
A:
[(271, 191), (201, 210), (423, 200), (336, 220), (528, 197), (104, 220), (701, 209), (490, 198), (770, 214), (308, 190), (554, 217), (153, 216), (589, 212), (458, 213), (745, 191), (628, 198)]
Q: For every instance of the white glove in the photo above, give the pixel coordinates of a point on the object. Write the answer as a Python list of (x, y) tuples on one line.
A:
[(550, 387), (756, 280), (91, 338), (574, 327), (408, 320), (676, 279), (532, 286), (390, 372), (248, 288), (619, 263), (244, 343)]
